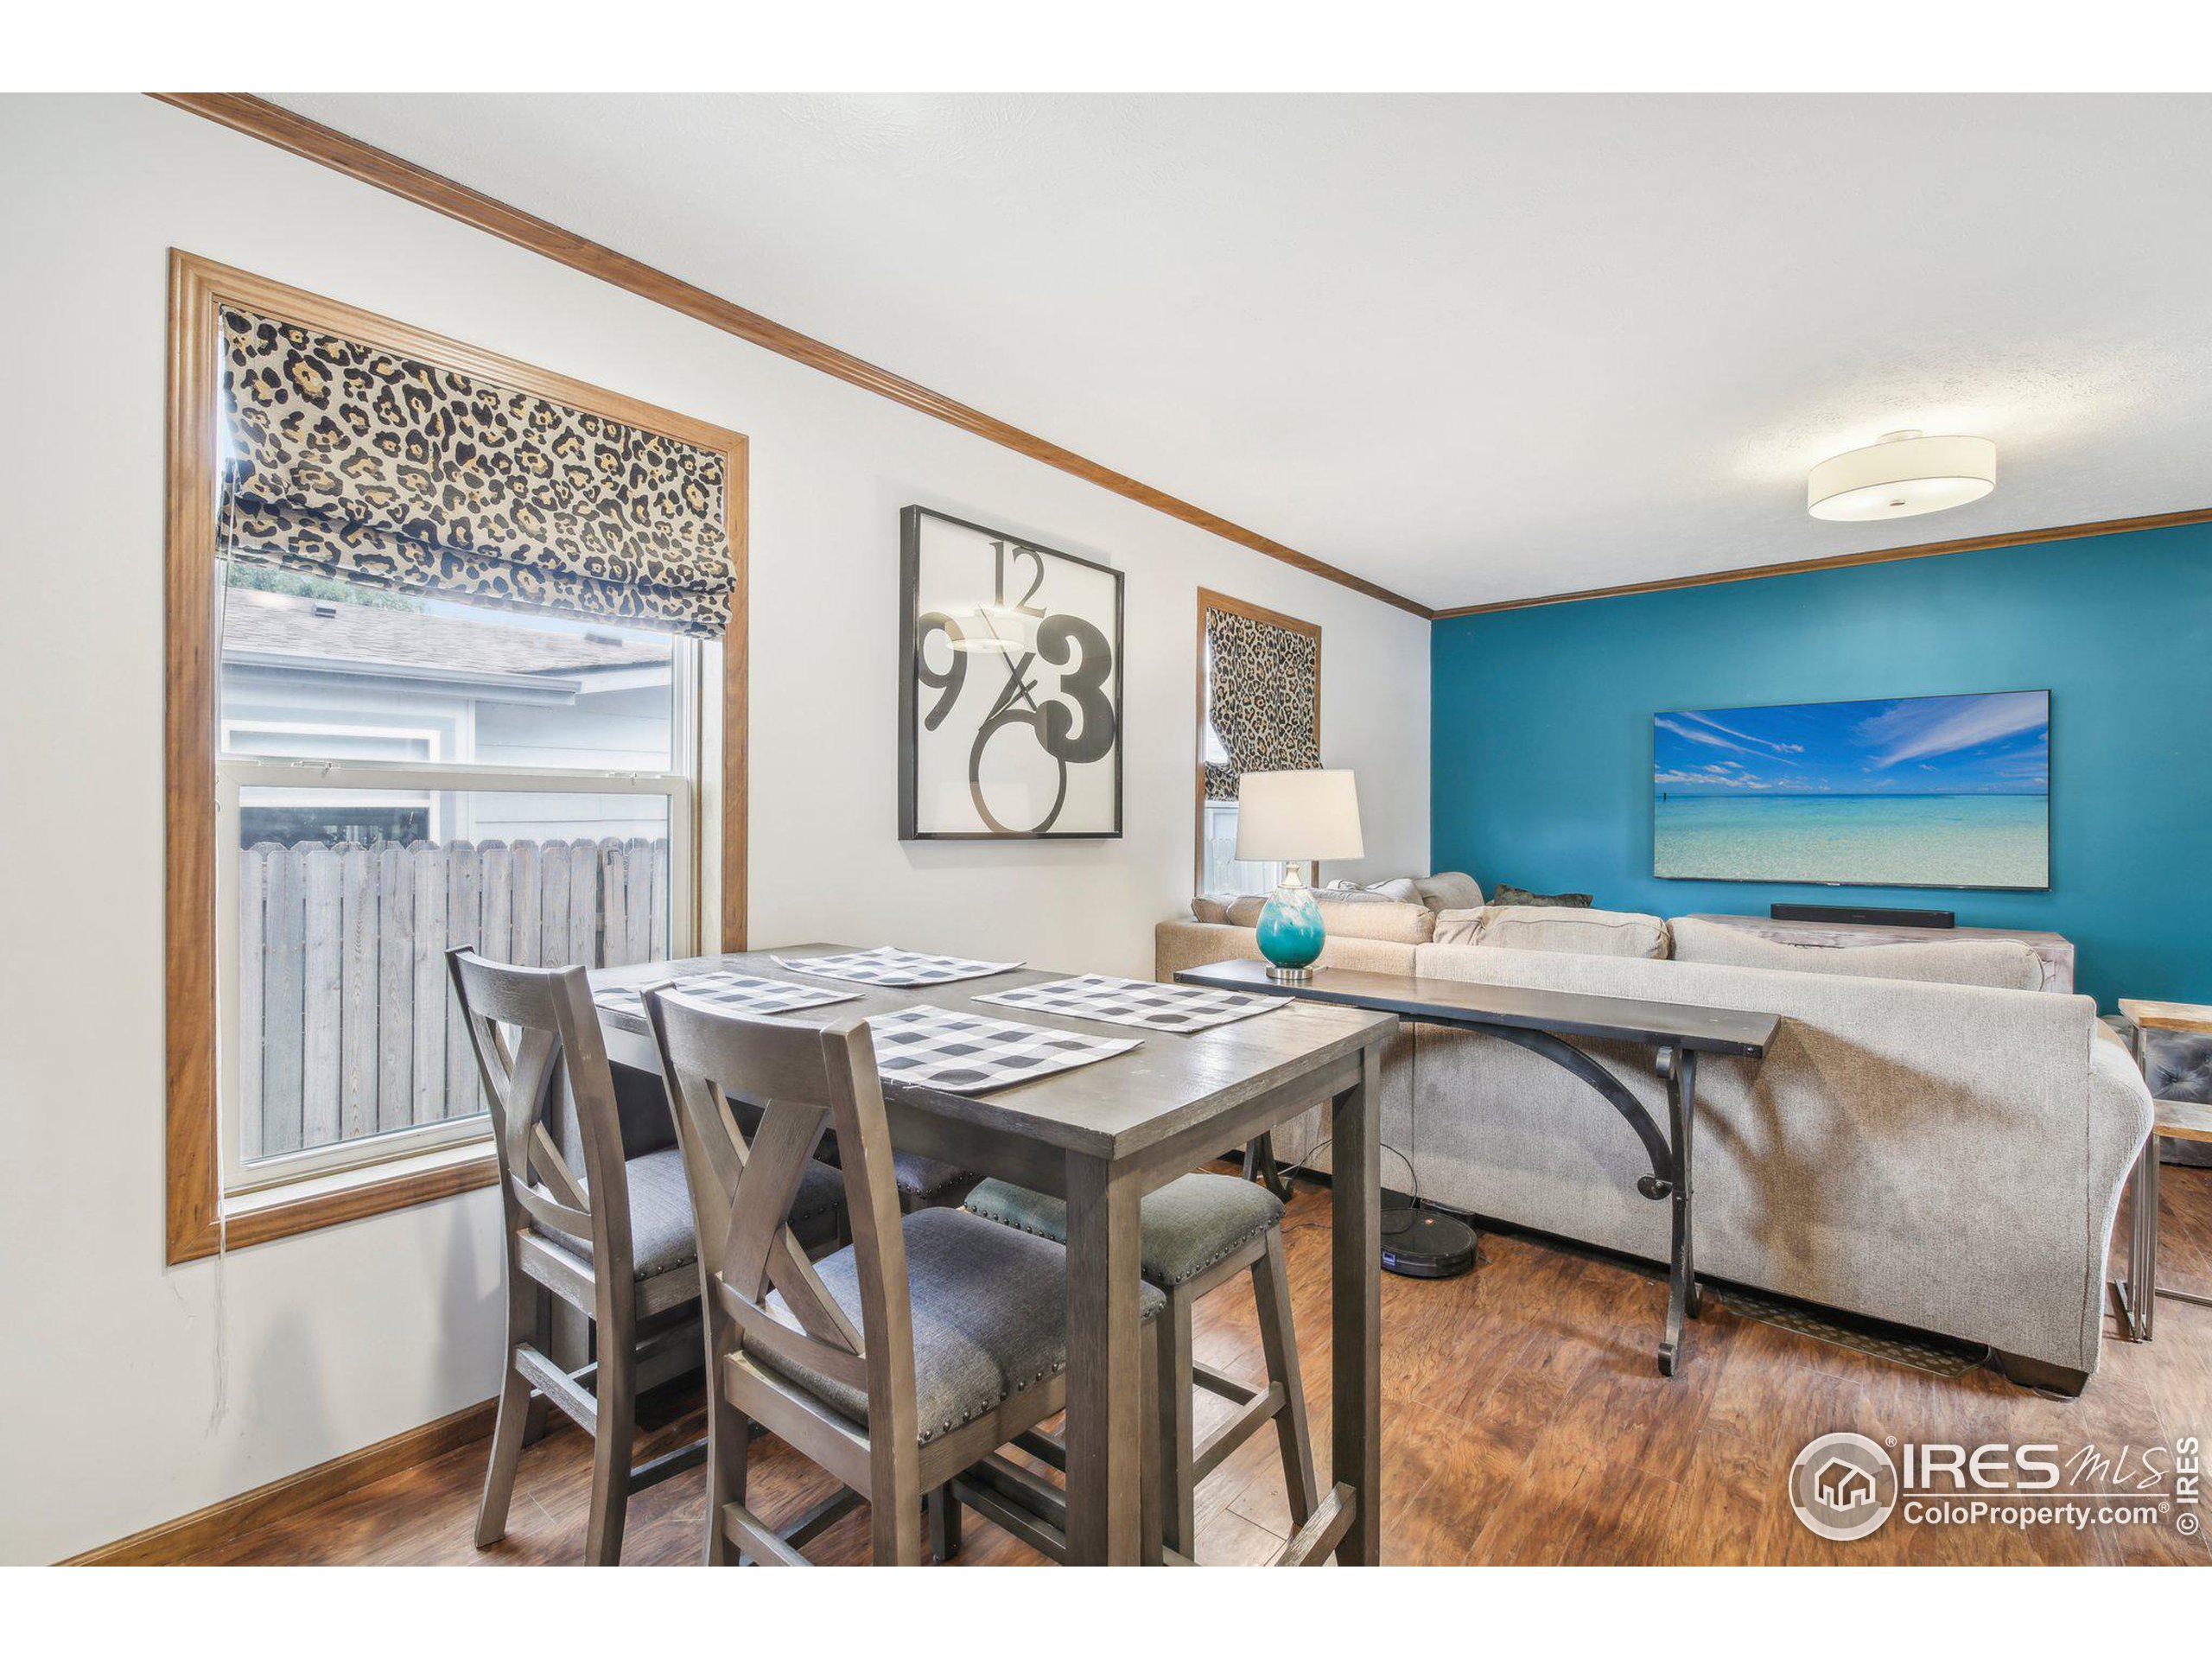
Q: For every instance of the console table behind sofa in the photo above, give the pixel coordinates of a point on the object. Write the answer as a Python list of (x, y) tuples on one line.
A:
[(1945, 1157)]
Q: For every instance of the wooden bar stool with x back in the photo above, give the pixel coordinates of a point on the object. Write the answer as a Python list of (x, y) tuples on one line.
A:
[(1197, 1233), (895, 1364), (614, 1242)]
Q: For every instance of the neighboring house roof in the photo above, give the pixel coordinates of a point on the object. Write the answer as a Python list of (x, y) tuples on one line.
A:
[(308, 627)]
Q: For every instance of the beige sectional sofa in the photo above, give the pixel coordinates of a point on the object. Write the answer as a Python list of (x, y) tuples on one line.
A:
[(1945, 1156)]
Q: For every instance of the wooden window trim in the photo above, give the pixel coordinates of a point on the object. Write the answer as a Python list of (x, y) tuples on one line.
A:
[(196, 1224), (1210, 600)]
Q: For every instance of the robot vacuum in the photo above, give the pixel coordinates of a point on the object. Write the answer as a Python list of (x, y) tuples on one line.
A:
[(1422, 1243)]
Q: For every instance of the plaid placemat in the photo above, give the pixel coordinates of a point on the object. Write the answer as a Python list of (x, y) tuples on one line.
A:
[(1136, 1002), (888, 966), (731, 994), (967, 1053)]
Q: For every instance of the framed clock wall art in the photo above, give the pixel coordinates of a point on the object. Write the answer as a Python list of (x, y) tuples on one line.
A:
[(1009, 687)]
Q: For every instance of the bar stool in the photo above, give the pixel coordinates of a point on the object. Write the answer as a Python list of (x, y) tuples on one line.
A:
[(896, 1363), (1197, 1233), (616, 1243)]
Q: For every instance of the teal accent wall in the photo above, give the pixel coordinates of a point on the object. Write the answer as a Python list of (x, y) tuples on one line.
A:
[(1541, 767)]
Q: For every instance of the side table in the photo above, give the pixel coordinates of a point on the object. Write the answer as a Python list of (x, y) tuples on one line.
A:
[(2137, 1296)]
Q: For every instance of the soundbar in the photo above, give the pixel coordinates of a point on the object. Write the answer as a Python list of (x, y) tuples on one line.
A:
[(1862, 916)]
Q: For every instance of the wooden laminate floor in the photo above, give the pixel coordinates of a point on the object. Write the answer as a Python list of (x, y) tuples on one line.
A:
[(1523, 1421)]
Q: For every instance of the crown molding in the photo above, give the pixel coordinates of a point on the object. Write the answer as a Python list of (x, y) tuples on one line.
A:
[(272, 124), (1843, 561)]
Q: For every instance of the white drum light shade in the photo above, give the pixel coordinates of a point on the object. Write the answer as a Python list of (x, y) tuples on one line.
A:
[(1902, 475), (1287, 818)]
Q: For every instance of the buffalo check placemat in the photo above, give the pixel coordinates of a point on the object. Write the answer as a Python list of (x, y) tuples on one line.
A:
[(1136, 1002), (732, 994), (888, 966), (967, 1053)]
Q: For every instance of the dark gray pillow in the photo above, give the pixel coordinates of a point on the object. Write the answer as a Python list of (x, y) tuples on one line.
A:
[(1504, 894)]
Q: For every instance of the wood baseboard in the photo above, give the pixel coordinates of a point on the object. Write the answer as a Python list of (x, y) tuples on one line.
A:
[(173, 1541)]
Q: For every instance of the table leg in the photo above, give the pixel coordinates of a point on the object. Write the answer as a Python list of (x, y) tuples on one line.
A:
[(1355, 1308), (1106, 1398), (2140, 1298), (1260, 1165), (2139, 1293), (1682, 1298)]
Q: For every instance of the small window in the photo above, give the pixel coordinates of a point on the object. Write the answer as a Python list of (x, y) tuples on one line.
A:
[(455, 653), (399, 774), (1219, 868), (1259, 710)]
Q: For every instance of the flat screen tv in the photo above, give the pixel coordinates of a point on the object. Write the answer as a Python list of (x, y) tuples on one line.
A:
[(1896, 792)]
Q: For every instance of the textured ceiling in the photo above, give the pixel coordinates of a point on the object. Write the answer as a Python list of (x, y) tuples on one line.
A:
[(1471, 349)]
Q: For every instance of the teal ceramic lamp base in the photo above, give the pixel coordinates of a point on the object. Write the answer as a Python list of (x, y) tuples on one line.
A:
[(1290, 930)]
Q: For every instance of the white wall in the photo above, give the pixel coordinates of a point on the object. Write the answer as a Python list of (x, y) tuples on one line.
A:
[(107, 1402)]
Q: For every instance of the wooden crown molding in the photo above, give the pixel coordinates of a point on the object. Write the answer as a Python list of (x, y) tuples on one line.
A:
[(1842, 560), (257, 117), (1210, 600), (272, 124)]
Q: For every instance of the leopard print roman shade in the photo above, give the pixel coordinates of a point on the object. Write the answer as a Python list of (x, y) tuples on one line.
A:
[(1263, 697), (348, 460)]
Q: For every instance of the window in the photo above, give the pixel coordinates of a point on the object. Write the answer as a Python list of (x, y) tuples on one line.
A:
[(401, 775), (461, 664), (1259, 710)]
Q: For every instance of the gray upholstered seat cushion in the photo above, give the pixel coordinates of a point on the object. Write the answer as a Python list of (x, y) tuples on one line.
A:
[(1188, 1224), (926, 1180), (990, 1318), (921, 1181), (661, 1234)]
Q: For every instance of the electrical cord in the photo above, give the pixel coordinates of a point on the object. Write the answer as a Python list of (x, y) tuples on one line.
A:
[(1413, 1128), (1285, 1171)]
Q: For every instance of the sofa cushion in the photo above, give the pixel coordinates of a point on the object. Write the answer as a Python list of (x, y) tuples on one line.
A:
[(1178, 944), (2000, 964), (1504, 893), (1399, 924), (1544, 927), (1401, 890), (1358, 918), (1449, 890), (1211, 906)]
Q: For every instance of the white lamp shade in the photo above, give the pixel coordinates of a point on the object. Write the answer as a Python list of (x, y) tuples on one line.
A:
[(1902, 475), (1287, 818)]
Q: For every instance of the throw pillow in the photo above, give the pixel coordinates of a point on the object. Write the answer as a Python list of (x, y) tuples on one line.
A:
[(1211, 906), (1558, 927), (1505, 894), (1401, 891), (2001, 964), (1449, 890), (1244, 911)]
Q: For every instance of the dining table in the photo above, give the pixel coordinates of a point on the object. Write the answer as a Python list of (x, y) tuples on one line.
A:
[(1101, 1136)]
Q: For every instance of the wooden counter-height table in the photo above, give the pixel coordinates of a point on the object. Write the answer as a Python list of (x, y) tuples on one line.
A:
[(1102, 1136)]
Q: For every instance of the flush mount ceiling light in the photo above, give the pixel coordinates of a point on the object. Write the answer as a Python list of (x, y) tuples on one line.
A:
[(1902, 475)]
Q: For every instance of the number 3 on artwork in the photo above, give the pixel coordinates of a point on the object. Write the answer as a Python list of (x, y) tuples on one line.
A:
[(1010, 708)]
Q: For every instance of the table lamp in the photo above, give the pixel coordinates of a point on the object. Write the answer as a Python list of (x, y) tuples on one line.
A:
[(1291, 817)]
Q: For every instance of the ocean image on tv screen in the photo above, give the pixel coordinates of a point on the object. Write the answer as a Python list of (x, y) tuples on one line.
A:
[(1907, 793)]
